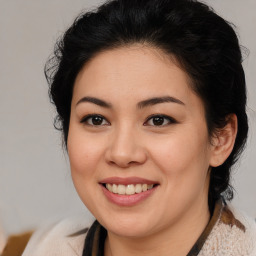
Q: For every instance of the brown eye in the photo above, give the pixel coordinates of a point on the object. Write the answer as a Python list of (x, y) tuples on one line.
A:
[(159, 120), (95, 120)]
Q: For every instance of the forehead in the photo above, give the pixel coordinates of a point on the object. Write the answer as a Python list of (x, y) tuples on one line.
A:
[(132, 72)]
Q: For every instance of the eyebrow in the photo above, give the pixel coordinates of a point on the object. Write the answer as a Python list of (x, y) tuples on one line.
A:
[(96, 101), (140, 105), (157, 100)]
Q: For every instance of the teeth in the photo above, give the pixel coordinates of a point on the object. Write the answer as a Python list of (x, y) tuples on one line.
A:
[(144, 187), (114, 188), (128, 189), (150, 186), (138, 188), (121, 189), (109, 187)]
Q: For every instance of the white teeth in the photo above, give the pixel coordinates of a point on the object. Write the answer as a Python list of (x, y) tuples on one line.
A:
[(144, 187), (109, 187), (128, 189), (114, 188), (121, 189), (138, 188)]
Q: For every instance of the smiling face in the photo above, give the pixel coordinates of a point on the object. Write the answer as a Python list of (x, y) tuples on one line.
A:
[(138, 143)]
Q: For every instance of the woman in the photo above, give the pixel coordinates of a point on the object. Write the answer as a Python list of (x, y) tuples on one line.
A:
[(151, 100)]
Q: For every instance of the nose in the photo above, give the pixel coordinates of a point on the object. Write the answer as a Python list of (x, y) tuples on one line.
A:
[(125, 149)]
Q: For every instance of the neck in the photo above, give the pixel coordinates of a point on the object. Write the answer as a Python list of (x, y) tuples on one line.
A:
[(176, 239)]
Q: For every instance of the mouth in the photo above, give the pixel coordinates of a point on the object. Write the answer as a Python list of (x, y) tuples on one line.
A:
[(129, 189)]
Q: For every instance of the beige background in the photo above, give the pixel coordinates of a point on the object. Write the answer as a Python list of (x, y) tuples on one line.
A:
[(35, 183)]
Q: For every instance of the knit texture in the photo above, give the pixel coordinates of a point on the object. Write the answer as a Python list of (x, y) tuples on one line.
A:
[(233, 234)]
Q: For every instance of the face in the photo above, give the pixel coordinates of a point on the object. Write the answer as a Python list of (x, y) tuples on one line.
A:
[(138, 143)]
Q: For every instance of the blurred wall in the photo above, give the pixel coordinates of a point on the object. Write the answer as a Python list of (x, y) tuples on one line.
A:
[(35, 182)]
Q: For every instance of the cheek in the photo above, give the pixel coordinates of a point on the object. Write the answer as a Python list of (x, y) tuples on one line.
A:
[(184, 160), (84, 153)]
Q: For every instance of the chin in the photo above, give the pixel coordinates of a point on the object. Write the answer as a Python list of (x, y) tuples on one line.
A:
[(128, 226), (129, 231)]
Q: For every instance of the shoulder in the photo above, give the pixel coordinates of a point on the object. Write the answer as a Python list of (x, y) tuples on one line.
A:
[(233, 234), (63, 238), (248, 238)]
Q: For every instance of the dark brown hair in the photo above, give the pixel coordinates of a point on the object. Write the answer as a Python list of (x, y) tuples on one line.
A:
[(204, 44)]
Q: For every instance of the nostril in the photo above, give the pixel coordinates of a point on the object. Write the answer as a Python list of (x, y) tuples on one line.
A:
[(121, 163)]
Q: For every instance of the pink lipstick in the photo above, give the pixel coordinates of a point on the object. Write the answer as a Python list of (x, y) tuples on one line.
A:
[(128, 191)]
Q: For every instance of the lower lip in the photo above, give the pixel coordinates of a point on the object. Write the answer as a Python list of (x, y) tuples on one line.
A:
[(127, 200)]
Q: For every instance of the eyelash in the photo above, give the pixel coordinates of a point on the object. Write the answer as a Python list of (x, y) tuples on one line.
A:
[(86, 118), (169, 119)]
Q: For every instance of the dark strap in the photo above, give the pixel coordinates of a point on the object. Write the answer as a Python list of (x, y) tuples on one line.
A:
[(201, 240), (95, 240)]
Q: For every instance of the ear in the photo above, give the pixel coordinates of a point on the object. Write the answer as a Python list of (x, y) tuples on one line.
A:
[(223, 141)]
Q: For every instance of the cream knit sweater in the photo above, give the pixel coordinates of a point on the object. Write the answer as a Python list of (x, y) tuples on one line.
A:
[(227, 238), (231, 240)]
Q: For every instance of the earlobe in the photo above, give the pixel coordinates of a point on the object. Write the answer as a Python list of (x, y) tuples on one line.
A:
[(223, 141)]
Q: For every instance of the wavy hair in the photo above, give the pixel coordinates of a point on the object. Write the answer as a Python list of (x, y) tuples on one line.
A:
[(204, 44)]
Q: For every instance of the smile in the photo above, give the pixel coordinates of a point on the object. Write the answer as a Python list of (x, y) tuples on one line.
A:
[(129, 189)]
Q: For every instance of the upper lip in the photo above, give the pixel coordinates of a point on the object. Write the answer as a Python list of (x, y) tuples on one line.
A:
[(127, 181)]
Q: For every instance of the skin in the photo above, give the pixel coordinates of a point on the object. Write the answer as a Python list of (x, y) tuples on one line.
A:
[(176, 154)]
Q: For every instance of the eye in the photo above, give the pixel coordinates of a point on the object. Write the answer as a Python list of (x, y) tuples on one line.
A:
[(94, 120), (159, 120)]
